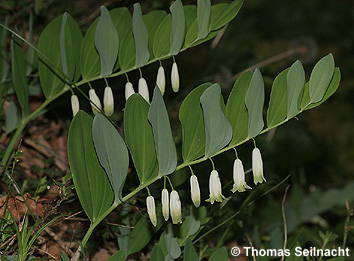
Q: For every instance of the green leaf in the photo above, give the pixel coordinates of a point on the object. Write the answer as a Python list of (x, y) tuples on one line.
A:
[(218, 131), (332, 88), (122, 21), (156, 253), (254, 104), (19, 78), (173, 249), (219, 255), (106, 42), (203, 14), (11, 117), (164, 143), (4, 66), (70, 44), (89, 59), (189, 252), (141, 37), (91, 182), (223, 13), (190, 14), (320, 78), (236, 110), (295, 84), (127, 53), (140, 235), (277, 110), (189, 227), (162, 37), (151, 20), (139, 137), (112, 153), (49, 40), (178, 25), (191, 118), (118, 256)]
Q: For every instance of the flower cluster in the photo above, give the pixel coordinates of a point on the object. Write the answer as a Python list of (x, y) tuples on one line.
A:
[(171, 204)]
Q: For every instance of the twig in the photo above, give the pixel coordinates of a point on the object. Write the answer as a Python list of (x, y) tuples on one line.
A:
[(250, 242), (346, 224), (284, 220)]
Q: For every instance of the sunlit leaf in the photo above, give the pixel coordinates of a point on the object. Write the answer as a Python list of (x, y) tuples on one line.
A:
[(295, 84), (152, 19), (203, 17), (223, 13), (178, 25), (162, 37)]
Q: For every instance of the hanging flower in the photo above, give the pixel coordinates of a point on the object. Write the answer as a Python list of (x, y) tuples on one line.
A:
[(95, 101), (257, 166), (75, 105), (239, 177), (165, 204), (195, 190), (143, 89), (175, 77), (129, 90), (150, 204), (215, 188), (175, 207), (108, 101), (160, 79)]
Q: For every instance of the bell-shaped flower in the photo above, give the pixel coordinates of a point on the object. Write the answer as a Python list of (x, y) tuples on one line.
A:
[(257, 166), (150, 205), (75, 105), (129, 90), (143, 89), (215, 193), (240, 184), (195, 190), (95, 101), (160, 80), (175, 207), (108, 101), (175, 77), (165, 204)]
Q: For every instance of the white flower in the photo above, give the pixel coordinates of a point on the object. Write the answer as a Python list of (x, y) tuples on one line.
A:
[(160, 79), (150, 204), (95, 101), (143, 89), (215, 188), (257, 166), (239, 177), (165, 204), (175, 207), (108, 101), (195, 190), (175, 77), (129, 90), (75, 105)]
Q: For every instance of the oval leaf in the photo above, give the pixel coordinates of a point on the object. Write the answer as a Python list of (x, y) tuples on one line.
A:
[(111, 152), (106, 41), (189, 252), (218, 131), (320, 78), (191, 118), (295, 84), (151, 20), (219, 255), (223, 13), (162, 37), (164, 143), (91, 182), (139, 137), (277, 110), (236, 110), (254, 103), (141, 37), (178, 29), (203, 17)]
